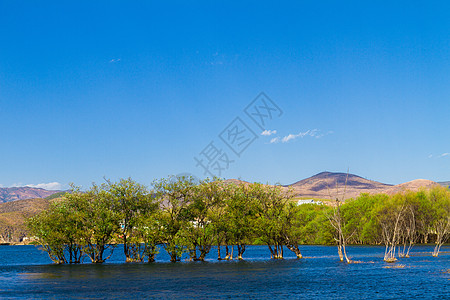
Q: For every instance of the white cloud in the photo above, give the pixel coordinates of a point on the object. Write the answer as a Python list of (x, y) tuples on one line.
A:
[(268, 132), (439, 156), (114, 60), (275, 140), (46, 186), (312, 133), (290, 137)]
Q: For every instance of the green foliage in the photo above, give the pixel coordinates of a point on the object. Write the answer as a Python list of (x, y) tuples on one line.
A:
[(360, 221), (55, 196), (133, 204), (175, 195)]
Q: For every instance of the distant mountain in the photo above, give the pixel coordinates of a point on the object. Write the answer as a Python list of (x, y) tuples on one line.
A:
[(445, 183), (329, 185), (21, 193), (336, 185)]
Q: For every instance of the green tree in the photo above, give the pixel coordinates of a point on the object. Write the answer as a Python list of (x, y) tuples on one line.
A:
[(100, 223), (361, 226), (49, 229), (131, 200), (307, 224), (174, 194), (147, 234), (240, 213), (200, 233), (272, 219), (80, 223)]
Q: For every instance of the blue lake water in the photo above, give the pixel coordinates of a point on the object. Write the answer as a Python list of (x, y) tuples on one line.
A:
[(26, 272)]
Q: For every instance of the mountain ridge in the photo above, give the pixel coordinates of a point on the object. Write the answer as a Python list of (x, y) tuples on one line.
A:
[(332, 185), (9, 194)]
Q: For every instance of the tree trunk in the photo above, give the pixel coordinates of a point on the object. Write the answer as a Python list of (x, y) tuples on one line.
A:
[(296, 250), (174, 257), (193, 254), (341, 256), (272, 252), (345, 252), (241, 250), (218, 252), (229, 255)]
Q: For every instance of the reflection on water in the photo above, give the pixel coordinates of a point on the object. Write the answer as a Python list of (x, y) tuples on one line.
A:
[(25, 272)]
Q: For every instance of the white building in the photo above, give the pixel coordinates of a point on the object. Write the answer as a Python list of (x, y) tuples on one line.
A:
[(308, 201)]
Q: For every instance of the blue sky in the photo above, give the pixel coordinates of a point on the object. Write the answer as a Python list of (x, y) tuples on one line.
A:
[(117, 89)]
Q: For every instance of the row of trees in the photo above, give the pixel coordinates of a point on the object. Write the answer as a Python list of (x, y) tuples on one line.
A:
[(398, 221), (188, 217)]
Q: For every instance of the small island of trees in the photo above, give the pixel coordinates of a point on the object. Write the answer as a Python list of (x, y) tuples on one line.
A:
[(184, 216)]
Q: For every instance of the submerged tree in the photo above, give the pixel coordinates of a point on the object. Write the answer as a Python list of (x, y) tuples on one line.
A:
[(132, 202), (51, 232), (100, 222), (338, 222), (200, 232), (415, 218), (440, 198), (240, 214), (390, 216), (175, 194), (295, 228), (79, 224), (146, 236), (272, 219)]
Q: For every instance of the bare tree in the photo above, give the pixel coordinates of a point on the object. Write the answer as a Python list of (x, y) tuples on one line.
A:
[(440, 197), (408, 234), (390, 219), (336, 220)]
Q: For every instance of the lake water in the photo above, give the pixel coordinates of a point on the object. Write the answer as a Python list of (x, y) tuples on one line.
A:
[(26, 272)]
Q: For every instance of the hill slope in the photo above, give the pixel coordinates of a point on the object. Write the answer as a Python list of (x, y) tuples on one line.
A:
[(13, 215), (413, 185)]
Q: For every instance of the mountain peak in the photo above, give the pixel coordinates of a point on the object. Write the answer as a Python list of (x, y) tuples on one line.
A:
[(328, 184)]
